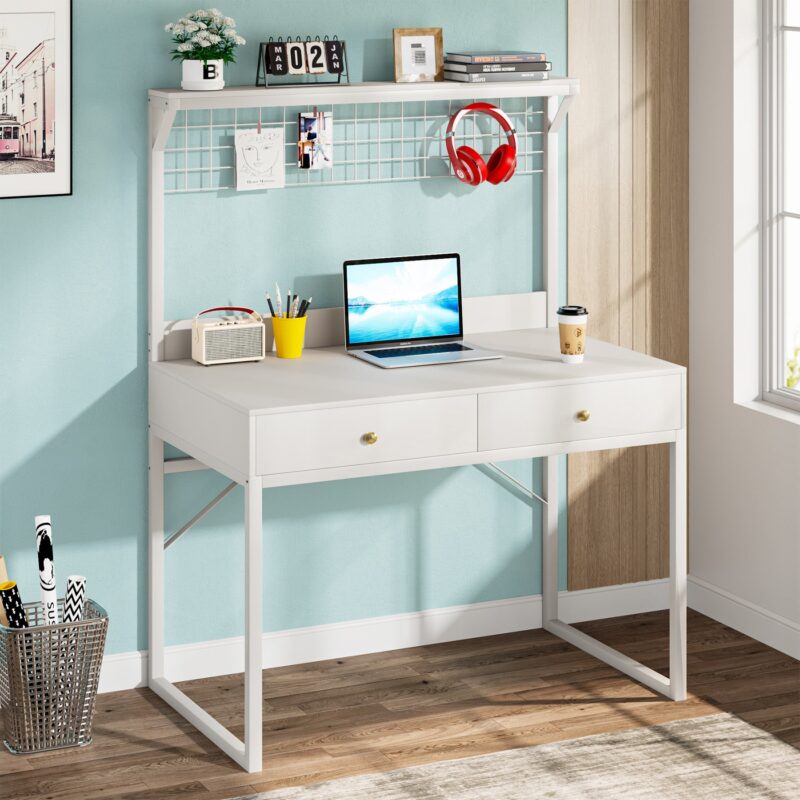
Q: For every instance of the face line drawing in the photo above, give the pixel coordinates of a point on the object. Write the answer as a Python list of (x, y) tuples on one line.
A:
[(261, 156)]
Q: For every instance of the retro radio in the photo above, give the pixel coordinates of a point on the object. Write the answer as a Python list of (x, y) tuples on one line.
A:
[(228, 339)]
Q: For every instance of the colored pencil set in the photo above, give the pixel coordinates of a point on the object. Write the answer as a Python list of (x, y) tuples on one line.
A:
[(12, 611), (295, 306)]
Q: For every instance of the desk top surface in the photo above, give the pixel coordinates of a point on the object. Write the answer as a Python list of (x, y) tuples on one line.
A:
[(328, 377)]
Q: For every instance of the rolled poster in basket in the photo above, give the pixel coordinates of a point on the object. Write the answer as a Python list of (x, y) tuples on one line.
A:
[(75, 598), (3, 579), (12, 605), (47, 572)]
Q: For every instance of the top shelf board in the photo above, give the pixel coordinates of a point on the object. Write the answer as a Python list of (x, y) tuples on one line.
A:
[(377, 92)]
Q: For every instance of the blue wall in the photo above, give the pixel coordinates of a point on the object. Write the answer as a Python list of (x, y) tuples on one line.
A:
[(73, 380)]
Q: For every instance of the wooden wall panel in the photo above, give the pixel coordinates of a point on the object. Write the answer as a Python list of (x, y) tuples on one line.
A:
[(627, 256)]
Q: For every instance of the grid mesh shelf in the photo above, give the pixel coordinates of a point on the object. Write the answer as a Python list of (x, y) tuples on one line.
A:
[(372, 142)]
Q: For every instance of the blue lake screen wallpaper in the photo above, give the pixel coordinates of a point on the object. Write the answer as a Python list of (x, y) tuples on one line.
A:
[(402, 300)]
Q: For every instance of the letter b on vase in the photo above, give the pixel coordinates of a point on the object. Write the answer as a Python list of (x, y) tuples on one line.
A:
[(203, 76)]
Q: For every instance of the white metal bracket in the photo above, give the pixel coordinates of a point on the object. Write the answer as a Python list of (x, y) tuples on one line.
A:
[(511, 484), (555, 123), (162, 114), (170, 540)]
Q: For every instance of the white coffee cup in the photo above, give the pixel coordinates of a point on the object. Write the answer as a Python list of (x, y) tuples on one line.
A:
[(572, 321)]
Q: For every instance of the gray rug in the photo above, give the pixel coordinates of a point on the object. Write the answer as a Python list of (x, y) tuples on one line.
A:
[(711, 758)]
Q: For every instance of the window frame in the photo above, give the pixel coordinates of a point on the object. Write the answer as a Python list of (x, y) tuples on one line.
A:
[(773, 213)]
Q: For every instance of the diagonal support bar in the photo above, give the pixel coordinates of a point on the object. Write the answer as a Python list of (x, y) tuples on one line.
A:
[(632, 668), (560, 115), (511, 484), (170, 540)]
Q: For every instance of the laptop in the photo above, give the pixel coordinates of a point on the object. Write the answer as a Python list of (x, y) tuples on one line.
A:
[(406, 312)]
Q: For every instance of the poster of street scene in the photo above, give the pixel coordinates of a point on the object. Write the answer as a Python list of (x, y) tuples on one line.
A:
[(35, 101)]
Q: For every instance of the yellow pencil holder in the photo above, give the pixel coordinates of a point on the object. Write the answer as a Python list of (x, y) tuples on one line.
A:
[(289, 333)]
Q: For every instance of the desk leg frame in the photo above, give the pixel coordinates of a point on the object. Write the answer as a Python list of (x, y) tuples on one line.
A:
[(673, 686), (247, 753)]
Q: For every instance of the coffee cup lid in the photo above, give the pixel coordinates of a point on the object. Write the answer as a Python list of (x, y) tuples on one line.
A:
[(572, 311)]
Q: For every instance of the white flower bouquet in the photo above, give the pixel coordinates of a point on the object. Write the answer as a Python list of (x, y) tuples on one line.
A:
[(204, 36)]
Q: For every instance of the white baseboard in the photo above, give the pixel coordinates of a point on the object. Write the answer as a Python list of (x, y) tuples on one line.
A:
[(760, 624), (378, 634)]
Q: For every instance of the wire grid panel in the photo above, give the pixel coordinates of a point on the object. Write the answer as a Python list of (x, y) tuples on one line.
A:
[(372, 142), (48, 679)]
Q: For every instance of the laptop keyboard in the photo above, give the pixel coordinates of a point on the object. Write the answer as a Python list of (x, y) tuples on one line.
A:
[(419, 350)]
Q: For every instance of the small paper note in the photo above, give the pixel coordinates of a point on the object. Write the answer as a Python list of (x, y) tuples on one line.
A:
[(260, 159)]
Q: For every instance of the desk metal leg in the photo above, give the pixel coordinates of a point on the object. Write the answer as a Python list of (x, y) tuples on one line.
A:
[(253, 630), (247, 753), (677, 567), (674, 686), (550, 541), (155, 527)]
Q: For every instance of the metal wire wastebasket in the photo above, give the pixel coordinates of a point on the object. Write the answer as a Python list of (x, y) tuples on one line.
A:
[(48, 679)]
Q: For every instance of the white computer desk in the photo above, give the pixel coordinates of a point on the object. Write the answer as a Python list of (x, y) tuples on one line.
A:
[(277, 423)]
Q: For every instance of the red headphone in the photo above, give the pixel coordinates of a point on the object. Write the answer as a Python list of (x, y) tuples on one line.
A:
[(468, 164)]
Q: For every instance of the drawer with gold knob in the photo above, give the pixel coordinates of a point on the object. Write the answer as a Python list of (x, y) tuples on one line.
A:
[(566, 413), (341, 437)]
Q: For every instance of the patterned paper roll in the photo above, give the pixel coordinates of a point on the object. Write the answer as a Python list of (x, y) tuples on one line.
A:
[(74, 599), (47, 572), (3, 579), (9, 596)]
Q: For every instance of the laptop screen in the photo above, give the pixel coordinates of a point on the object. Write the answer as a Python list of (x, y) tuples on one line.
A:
[(391, 300)]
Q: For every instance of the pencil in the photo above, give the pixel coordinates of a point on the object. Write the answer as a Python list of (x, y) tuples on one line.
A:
[(269, 303)]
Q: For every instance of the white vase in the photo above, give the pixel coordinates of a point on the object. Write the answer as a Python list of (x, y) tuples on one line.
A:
[(201, 76)]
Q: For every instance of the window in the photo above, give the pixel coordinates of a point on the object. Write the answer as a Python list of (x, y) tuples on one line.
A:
[(781, 379)]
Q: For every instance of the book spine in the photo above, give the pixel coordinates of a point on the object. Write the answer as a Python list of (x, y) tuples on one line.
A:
[(529, 66), (476, 77), (507, 58)]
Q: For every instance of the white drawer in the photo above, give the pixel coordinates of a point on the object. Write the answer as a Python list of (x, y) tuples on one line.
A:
[(551, 414), (336, 437)]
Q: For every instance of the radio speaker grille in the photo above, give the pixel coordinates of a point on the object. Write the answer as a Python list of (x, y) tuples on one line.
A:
[(232, 343)]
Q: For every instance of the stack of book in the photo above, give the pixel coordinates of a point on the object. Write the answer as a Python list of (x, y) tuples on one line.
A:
[(496, 65)]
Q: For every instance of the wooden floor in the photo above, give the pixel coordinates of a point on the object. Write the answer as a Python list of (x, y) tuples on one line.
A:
[(379, 712)]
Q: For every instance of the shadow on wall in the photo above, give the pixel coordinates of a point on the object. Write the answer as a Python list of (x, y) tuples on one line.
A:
[(378, 60), (91, 477), (388, 539), (346, 550), (333, 551)]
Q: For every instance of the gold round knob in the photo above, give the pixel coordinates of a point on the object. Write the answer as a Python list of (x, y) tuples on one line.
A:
[(370, 438), (583, 415)]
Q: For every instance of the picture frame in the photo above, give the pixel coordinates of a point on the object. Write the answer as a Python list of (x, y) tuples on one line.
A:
[(418, 55), (315, 140), (35, 98)]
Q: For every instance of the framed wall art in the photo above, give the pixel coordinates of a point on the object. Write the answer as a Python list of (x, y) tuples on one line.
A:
[(35, 98), (418, 55)]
